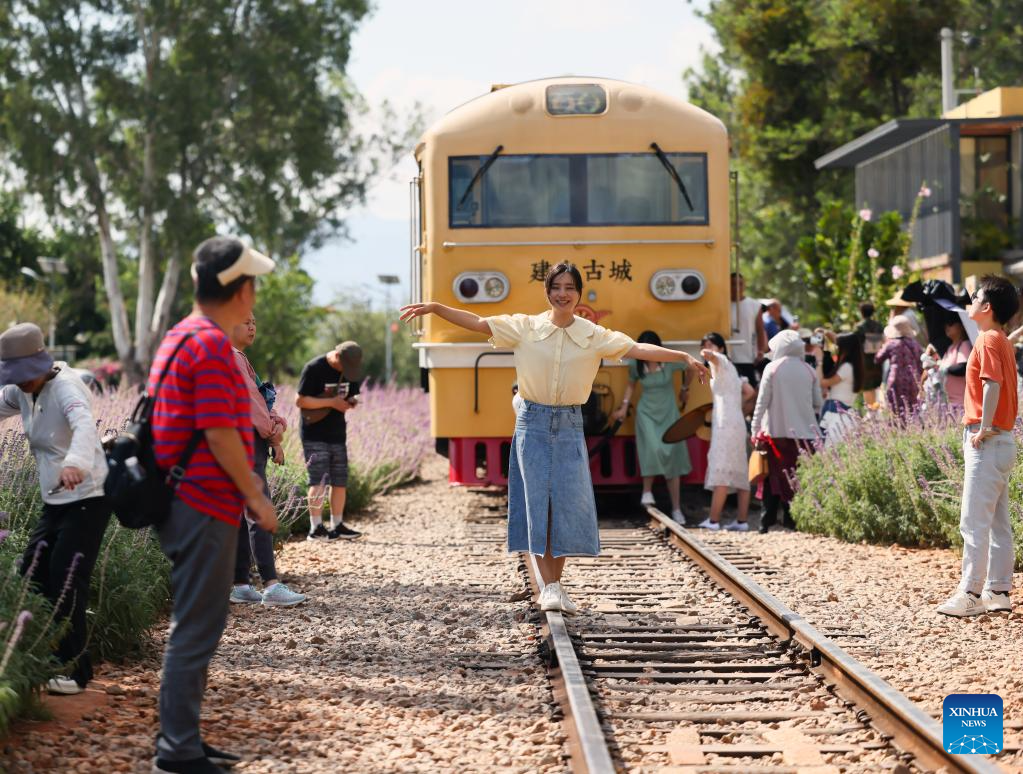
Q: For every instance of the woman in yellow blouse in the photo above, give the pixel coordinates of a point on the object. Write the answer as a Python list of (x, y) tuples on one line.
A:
[(551, 510)]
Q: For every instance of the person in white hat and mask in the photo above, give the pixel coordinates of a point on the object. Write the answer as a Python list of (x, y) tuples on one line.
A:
[(56, 414)]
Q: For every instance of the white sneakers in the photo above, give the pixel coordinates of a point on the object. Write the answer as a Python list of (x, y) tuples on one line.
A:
[(647, 498), (708, 524), (554, 598), (738, 526), (64, 686), (996, 601), (963, 605), (679, 517)]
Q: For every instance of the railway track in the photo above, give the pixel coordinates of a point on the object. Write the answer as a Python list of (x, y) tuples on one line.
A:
[(683, 664)]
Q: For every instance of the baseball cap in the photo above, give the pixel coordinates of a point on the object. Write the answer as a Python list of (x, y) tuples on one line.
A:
[(351, 359)]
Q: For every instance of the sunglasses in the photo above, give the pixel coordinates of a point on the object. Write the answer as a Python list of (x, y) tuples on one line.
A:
[(976, 298)]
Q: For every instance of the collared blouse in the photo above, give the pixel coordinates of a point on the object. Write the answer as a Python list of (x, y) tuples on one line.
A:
[(556, 366)]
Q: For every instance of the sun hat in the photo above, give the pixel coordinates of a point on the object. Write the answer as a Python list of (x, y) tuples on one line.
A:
[(898, 300), (351, 359), (23, 355), (899, 327)]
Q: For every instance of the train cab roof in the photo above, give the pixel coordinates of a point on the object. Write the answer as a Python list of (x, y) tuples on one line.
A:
[(557, 114)]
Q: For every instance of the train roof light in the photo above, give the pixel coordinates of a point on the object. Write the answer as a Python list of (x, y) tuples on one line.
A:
[(481, 287)]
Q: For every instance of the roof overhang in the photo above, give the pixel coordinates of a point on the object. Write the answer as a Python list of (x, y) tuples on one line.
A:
[(875, 142)]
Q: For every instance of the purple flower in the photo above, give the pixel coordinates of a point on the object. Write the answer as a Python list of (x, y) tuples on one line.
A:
[(866, 214), (898, 272), (924, 192)]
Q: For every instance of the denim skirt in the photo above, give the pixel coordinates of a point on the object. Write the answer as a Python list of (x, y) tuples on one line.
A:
[(549, 479)]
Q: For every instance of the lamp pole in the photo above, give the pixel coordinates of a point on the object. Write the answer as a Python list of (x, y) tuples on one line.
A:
[(388, 280), (51, 268)]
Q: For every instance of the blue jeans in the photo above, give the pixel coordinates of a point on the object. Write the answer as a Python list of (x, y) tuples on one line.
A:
[(984, 521), (549, 483)]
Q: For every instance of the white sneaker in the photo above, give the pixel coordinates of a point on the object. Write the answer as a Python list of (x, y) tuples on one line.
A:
[(962, 605), (550, 597), (63, 685), (708, 524), (679, 517), (647, 498), (568, 607), (738, 526), (996, 601)]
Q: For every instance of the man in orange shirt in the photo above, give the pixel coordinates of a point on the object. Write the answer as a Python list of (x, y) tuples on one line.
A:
[(989, 451)]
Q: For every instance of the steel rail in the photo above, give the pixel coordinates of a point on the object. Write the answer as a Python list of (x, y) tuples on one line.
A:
[(586, 737), (911, 728)]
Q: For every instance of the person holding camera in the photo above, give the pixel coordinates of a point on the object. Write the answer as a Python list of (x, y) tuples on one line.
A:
[(56, 415), (327, 390), (656, 411)]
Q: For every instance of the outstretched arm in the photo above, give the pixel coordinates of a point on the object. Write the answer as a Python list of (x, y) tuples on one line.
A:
[(459, 317), (665, 355)]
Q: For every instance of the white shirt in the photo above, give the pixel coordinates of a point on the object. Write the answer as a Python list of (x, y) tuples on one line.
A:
[(61, 433), (744, 327), (843, 391)]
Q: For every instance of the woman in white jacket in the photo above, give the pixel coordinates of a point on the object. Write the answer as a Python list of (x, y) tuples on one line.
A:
[(54, 405), (785, 420)]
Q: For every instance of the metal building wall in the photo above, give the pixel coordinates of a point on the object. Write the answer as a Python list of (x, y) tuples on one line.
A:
[(891, 182)]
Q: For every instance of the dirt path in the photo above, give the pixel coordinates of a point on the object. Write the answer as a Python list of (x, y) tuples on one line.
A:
[(409, 656)]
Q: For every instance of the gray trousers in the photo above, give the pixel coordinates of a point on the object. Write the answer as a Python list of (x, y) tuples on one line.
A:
[(254, 542), (201, 550)]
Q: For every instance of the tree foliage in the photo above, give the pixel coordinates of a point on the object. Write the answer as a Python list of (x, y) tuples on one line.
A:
[(286, 321), (160, 122), (798, 78)]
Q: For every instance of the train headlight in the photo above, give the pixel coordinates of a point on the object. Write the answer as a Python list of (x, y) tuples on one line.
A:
[(677, 285), (481, 287)]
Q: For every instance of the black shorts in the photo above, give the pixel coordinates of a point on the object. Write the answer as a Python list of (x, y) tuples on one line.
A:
[(749, 371)]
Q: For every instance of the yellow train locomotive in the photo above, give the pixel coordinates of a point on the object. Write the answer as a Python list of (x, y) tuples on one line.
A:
[(629, 184)]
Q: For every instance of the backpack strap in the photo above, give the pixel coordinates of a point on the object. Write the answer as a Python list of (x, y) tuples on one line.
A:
[(177, 472)]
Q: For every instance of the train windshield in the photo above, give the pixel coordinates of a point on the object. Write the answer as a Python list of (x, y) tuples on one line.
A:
[(623, 189)]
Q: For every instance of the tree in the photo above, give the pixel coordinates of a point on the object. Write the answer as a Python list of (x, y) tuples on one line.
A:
[(169, 120), (286, 321), (806, 76)]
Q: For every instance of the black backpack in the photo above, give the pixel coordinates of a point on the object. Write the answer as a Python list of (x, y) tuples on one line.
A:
[(138, 491)]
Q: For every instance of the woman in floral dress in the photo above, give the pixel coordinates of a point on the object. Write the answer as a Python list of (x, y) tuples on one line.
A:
[(903, 353)]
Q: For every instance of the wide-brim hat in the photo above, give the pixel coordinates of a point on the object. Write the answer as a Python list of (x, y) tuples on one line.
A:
[(23, 355), (898, 300), (899, 327), (351, 360)]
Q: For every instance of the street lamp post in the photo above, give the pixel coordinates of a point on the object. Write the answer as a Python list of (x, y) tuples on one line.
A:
[(387, 280), (51, 268)]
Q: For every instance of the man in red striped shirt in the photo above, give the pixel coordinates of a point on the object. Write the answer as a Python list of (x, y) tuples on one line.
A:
[(203, 396)]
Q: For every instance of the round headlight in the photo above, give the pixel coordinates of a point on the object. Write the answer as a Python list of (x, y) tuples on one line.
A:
[(691, 285), (493, 287), (664, 286), (468, 287)]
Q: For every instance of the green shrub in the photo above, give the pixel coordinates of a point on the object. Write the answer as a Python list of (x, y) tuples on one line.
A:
[(892, 483)]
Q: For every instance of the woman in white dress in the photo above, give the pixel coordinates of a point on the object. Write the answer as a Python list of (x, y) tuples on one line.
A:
[(727, 461)]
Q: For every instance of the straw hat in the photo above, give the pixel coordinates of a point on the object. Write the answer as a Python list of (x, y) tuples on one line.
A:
[(899, 327), (898, 300)]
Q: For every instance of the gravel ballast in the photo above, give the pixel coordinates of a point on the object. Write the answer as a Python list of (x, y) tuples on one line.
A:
[(408, 656), (888, 594)]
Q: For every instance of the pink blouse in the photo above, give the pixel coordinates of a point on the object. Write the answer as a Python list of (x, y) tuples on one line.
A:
[(955, 386)]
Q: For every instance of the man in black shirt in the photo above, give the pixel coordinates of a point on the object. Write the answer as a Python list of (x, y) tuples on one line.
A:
[(327, 389)]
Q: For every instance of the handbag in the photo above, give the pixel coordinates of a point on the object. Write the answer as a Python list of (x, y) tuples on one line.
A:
[(137, 490), (757, 466)]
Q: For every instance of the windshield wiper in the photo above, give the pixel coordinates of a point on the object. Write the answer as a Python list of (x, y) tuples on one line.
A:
[(479, 173), (666, 163)]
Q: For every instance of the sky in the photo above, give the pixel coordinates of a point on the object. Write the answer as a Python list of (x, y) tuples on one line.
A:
[(444, 52)]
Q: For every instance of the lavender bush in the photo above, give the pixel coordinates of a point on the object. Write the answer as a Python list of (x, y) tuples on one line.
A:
[(893, 482)]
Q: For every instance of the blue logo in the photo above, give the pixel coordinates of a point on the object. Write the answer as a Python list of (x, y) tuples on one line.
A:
[(971, 723)]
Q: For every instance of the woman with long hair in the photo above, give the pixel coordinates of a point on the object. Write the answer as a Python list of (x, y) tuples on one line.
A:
[(656, 411), (844, 384), (551, 510), (727, 460)]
